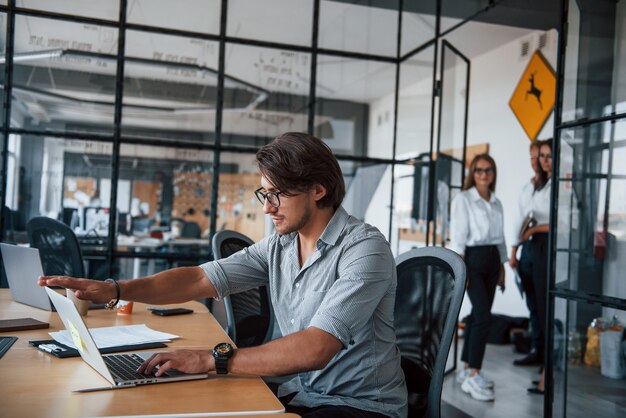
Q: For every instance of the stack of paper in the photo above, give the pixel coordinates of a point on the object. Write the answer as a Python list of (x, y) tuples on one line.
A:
[(115, 336)]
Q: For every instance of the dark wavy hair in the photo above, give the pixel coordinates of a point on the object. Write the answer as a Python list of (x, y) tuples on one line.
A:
[(294, 162), (543, 176), (469, 179)]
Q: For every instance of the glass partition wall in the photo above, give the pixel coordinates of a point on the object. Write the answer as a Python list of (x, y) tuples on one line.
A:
[(136, 124), (588, 290)]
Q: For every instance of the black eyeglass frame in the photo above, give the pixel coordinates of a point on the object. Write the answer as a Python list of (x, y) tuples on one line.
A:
[(262, 197), (488, 171)]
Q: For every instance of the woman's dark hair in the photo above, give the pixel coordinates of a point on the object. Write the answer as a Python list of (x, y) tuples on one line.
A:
[(469, 179), (294, 162), (543, 176), (536, 179)]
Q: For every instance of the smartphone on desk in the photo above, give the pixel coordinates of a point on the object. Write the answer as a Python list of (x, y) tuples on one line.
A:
[(170, 311)]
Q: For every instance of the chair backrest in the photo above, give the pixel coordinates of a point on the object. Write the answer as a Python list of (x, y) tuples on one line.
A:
[(190, 230), (431, 284), (58, 247), (248, 314)]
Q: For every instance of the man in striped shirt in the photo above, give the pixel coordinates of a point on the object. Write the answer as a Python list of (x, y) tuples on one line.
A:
[(332, 283)]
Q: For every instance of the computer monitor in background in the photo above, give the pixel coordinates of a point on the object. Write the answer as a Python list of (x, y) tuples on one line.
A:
[(448, 175), (421, 173), (70, 217), (123, 223)]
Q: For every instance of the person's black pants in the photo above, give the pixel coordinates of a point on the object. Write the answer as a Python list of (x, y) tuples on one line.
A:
[(525, 270), (327, 411), (483, 267), (539, 246)]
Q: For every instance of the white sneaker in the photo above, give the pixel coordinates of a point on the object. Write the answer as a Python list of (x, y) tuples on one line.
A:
[(475, 386), (488, 383), (462, 375)]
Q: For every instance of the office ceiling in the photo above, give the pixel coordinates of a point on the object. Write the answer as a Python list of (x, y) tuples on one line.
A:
[(66, 87), (527, 14)]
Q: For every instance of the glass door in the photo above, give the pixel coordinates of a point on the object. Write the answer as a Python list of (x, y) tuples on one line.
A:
[(451, 140), (587, 295), (449, 160)]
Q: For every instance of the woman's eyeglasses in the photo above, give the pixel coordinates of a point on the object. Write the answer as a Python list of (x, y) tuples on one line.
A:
[(488, 170), (545, 156), (271, 197)]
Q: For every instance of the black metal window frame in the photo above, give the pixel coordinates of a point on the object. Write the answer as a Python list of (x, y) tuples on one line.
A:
[(555, 293), (117, 137)]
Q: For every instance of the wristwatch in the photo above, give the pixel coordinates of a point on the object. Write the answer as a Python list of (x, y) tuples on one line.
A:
[(222, 352)]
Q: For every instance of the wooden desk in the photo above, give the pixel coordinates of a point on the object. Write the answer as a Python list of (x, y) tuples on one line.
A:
[(36, 384)]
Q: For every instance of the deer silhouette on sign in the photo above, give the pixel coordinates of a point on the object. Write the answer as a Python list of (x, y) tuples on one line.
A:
[(534, 90)]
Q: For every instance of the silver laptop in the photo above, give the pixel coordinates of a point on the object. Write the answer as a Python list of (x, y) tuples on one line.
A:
[(118, 369), (22, 266)]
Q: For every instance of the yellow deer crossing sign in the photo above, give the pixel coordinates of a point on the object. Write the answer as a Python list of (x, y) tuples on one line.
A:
[(533, 98)]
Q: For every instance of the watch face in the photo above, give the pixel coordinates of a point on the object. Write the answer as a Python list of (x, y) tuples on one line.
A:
[(223, 348)]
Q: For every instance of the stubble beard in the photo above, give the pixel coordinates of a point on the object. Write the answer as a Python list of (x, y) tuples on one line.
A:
[(306, 217)]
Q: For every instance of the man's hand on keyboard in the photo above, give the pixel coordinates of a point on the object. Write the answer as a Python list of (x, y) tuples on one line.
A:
[(186, 361)]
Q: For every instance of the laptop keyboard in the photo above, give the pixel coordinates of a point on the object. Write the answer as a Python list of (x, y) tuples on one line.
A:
[(5, 344), (124, 367)]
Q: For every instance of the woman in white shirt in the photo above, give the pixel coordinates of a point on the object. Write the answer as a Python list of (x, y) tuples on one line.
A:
[(538, 236), (477, 234)]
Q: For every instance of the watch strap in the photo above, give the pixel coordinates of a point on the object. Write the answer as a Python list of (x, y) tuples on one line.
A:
[(221, 365)]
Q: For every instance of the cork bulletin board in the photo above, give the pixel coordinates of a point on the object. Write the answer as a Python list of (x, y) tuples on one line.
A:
[(238, 208)]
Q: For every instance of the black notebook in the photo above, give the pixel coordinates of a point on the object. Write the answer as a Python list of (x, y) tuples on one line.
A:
[(62, 351)]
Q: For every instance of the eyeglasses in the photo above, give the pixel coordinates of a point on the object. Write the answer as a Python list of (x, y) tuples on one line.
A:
[(271, 197), (479, 171), (545, 156)]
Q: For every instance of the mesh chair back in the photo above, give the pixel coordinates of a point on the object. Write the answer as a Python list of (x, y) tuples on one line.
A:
[(248, 314), (431, 283), (58, 247)]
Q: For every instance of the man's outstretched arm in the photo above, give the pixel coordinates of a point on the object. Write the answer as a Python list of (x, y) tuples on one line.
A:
[(170, 286)]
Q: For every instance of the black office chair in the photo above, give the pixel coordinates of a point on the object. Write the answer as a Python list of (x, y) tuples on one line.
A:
[(58, 247), (431, 283), (248, 314)]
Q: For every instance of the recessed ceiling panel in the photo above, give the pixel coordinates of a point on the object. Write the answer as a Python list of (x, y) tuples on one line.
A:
[(355, 27), (101, 9), (282, 21), (191, 15)]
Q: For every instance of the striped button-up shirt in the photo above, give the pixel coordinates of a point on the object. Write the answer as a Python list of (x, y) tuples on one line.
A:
[(347, 288)]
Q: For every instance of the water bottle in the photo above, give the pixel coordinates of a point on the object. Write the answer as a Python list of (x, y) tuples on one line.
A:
[(574, 347)]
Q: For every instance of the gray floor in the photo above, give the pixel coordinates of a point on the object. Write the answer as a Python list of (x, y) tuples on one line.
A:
[(589, 394), (512, 400)]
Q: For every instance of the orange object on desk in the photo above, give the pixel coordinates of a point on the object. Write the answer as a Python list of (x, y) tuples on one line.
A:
[(124, 307)]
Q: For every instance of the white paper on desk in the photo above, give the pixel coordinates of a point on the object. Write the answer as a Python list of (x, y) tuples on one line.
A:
[(114, 336)]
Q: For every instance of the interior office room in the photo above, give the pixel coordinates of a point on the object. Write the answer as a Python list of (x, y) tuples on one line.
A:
[(136, 122)]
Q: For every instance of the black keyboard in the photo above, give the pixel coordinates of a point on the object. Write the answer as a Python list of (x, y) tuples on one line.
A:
[(124, 367), (5, 344)]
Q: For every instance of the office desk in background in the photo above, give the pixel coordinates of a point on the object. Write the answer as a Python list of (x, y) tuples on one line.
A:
[(140, 244), (36, 384)]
